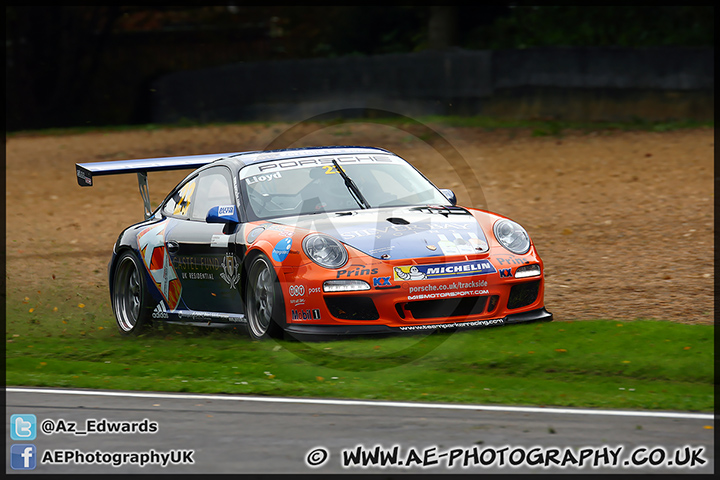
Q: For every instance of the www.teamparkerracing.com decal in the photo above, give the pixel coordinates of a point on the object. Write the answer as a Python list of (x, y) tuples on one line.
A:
[(443, 270), (475, 323)]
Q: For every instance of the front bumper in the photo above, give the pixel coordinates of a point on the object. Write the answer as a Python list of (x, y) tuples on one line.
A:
[(299, 331)]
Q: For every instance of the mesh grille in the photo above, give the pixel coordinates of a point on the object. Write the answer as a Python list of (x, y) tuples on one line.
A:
[(352, 307), (456, 307), (523, 294)]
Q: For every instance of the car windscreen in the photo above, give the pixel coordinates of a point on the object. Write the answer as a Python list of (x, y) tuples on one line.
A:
[(313, 185)]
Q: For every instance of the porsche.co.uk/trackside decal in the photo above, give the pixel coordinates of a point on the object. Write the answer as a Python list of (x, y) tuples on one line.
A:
[(443, 270), (151, 242)]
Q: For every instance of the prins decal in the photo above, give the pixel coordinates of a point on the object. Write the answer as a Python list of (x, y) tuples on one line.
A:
[(443, 270), (511, 260), (355, 271), (230, 273), (281, 250), (151, 242)]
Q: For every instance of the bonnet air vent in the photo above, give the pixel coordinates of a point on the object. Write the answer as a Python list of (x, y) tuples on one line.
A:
[(397, 221)]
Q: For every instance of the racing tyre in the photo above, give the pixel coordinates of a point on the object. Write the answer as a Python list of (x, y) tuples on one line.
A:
[(130, 297), (265, 310)]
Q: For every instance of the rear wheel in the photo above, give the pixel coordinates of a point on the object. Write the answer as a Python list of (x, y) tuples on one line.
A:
[(130, 297), (265, 310)]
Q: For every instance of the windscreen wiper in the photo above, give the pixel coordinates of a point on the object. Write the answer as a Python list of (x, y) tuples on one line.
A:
[(354, 190)]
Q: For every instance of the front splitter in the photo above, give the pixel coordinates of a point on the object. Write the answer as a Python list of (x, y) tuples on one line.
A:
[(299, 331)]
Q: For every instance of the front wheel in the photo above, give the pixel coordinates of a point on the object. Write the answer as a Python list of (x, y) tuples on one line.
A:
[(130, 298), (265, 308)]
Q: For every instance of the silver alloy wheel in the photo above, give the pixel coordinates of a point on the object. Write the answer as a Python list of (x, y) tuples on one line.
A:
[(127, 295), (261, 297)]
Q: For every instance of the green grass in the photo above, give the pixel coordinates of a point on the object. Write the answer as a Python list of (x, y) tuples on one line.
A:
[(640, 364), (57, 336)]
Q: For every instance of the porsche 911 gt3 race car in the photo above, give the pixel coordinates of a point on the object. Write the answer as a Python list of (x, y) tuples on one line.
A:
[(316, 241)]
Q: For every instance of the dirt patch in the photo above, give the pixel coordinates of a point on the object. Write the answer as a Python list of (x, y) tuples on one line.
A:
[(623, 220)]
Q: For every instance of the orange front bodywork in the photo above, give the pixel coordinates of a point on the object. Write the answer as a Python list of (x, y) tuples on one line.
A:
[(455, 289)]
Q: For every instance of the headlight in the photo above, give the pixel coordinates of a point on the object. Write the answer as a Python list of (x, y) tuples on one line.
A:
[(527, 271), (325, 251), (512, 236)]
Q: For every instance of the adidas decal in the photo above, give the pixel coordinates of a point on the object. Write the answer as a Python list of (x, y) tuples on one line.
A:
[(160, 311)]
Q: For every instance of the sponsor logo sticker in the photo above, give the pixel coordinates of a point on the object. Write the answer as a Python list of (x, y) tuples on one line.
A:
[(282, 249), (230, 273), (355, 271), (160, 311), (221, 241), (309, 314), (296, 290), (511, 260), (226, 211), (443, 270), (84, 177)]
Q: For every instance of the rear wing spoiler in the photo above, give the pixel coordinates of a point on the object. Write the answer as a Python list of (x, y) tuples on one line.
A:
[(86, 171)]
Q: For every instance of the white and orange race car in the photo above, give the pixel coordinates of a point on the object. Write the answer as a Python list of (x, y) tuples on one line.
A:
[(321, 241)]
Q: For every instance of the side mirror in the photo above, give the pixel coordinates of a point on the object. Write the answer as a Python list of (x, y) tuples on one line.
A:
[(222, 214), (450, 195)]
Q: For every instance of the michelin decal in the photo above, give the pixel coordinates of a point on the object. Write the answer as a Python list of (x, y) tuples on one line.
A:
[(443, 270)]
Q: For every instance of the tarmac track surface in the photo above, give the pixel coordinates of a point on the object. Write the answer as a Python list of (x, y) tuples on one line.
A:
[(236, 434)]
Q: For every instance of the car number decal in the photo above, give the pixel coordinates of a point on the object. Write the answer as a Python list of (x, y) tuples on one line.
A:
[(183, 203)]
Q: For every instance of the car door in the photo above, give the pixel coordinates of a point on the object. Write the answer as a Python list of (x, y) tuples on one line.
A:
[(203, 253)]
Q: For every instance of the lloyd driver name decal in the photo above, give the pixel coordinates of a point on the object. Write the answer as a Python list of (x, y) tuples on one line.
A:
[(443, 270)]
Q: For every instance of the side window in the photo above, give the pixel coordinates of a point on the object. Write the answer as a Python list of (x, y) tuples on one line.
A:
[(178, 204), (213, 189)]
